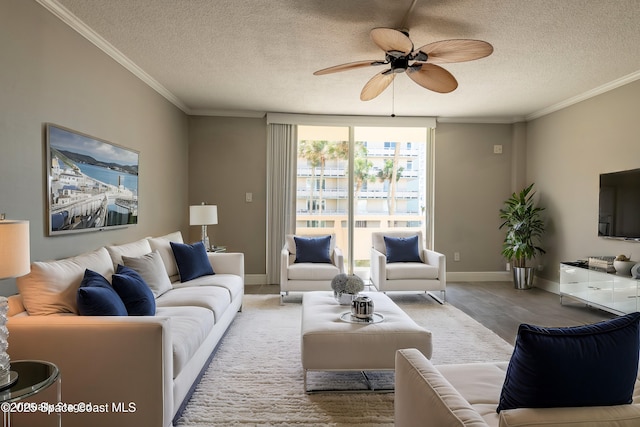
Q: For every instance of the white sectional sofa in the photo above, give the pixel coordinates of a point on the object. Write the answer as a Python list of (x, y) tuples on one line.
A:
[(153, 361), (467, 395)]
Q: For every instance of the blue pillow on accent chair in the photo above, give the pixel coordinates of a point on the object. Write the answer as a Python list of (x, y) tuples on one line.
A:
[(192, 260), (590, 365), (134, 292), (313, 249), (96, 297), (402, 249)]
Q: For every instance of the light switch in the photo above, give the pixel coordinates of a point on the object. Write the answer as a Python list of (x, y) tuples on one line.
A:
[(248, 197)]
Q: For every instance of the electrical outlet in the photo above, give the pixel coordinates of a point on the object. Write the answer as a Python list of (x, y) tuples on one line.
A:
[(248, 197), (456, 256), (497, 149)]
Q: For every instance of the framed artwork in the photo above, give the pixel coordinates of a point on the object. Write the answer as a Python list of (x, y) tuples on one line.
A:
[(92, 184)]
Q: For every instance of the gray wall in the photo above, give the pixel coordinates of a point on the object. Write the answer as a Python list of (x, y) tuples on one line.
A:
[(50, 73), (227, 159), (566, 152), (471, 184)]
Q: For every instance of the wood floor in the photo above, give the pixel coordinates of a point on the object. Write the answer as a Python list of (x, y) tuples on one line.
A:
[(501, 308)]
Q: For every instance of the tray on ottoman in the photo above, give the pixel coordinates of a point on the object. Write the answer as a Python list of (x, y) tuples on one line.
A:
[(330, 344)]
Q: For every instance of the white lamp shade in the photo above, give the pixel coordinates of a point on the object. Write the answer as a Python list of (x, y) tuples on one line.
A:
[(203, 214), (15, 259)]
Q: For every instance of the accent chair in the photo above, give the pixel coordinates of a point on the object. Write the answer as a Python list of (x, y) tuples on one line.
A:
[(400, 262), (309, 263)]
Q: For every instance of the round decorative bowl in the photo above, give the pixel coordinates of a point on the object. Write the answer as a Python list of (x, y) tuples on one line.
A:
[(344, 298), (623, 268)]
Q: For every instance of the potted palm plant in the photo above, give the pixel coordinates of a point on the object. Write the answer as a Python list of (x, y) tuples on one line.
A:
[(524, 229)]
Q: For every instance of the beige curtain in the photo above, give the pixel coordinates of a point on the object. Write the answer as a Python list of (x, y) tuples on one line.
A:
[(281, 188)]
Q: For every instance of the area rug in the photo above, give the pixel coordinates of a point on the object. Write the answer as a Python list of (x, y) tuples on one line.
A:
[(255, 378)]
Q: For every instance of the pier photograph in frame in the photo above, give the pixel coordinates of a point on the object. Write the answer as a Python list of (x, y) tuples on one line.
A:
[(92, 184)]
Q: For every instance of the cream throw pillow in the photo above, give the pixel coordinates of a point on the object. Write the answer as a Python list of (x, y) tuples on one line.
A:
[(162, 245), (51, 286), (133, 249), (151, 268)]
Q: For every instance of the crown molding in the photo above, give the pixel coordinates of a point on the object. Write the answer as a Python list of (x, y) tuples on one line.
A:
[(481, 120), (229, 113), (586, 95), (85, 31)]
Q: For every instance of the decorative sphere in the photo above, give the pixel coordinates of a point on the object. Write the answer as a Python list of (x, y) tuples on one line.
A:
[(349, 284), (354, 284), (339, 282)]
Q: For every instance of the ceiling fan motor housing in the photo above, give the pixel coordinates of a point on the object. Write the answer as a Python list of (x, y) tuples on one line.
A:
[(399, 64)]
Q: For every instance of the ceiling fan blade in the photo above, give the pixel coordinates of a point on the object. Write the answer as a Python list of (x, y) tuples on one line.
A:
[(456, 50), (392, 41), (348, 66), (376, 85), (433, 77)]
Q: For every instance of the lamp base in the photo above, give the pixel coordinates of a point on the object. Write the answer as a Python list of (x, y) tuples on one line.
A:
[(9, 380), (7, 376), (205, 238)]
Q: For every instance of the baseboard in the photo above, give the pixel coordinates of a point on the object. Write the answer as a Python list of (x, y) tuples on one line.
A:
[(547, 285), (478, 276)]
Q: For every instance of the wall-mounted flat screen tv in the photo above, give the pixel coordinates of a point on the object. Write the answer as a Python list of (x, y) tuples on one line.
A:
[(619, 205)]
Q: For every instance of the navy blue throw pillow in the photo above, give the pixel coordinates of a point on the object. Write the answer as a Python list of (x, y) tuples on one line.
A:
[(402, 249), (192, 260), (96, 297), (313, 249), (134, 292), (590, 365)]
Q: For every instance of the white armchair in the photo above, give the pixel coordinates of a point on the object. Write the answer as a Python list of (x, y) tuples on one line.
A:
[(308, 276), (426, 273)]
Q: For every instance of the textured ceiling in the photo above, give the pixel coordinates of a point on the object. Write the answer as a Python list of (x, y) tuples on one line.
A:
[(247, 57)]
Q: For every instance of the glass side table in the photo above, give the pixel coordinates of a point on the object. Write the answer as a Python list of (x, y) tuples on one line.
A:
[(34, 376)]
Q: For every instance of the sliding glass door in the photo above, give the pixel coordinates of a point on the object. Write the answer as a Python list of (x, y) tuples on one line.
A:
[(352, 181)]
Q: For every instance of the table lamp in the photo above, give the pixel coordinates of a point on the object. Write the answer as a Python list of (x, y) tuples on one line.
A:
[(14, 262), (203, 215)]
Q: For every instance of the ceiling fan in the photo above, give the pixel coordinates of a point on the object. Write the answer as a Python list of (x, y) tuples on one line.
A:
[(419, 64)]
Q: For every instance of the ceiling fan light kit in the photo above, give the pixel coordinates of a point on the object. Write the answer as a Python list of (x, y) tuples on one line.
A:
[(419, 64)]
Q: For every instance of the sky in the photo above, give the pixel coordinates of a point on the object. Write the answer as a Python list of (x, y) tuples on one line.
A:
[(82, 144)]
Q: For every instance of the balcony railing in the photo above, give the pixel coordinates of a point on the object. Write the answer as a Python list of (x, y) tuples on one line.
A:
[(331, 194), (362, 237), (369, 215), (307, 171)]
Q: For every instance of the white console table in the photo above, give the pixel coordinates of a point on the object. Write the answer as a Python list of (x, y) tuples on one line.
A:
[(599, 288)]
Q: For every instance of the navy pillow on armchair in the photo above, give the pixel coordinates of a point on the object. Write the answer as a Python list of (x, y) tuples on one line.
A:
[(590, 365), (402, 249), (313, 249)]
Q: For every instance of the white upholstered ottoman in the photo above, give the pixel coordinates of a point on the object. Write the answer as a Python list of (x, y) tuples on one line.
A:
[(330, 344)]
